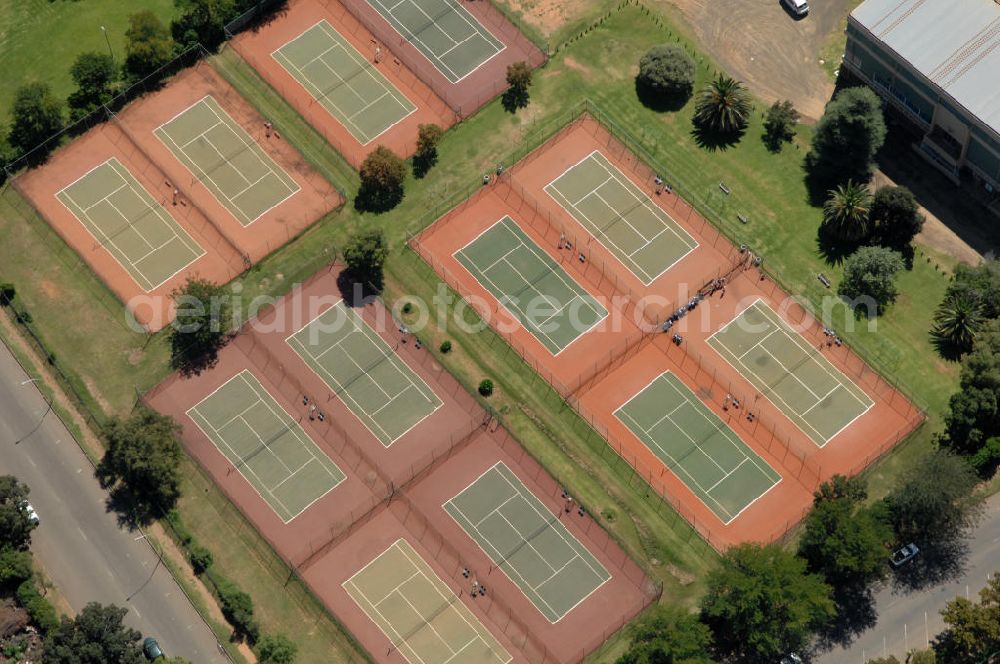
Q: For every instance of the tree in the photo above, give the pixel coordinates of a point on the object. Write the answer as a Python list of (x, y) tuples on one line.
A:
[(846, 213), (762, 604), (237, 607), (895, 217), (35, 116), (666, 75), (15, 525), (870, 278), (200, 327), (382, 176), (937, 502), (843, 541), (669, 634), (957, 321), (779, 126), (201, 22), (148, 45), (96, 636), (974, 411), (276, 649), (518, 81), (364, 254), (723, 107), (94, 74), (142, 462), (15, 568), (841, 487), (973, 631), (428, 136), (847, 137)]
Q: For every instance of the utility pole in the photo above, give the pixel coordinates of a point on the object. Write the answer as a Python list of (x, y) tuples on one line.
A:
[(108, 40)]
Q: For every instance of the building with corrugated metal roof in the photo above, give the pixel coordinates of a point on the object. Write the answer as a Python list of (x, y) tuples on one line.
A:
[(938, 62)]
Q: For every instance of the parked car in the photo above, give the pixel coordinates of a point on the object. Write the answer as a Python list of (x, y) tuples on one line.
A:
[(797, 7), (32, 514), (791, 658), (904, 555), (151, 649)]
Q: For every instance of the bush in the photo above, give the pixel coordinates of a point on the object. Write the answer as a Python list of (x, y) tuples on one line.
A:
[(895, 217), (666, 75), (870, 278), (40, 609), (7, 293), (519, 80), (201, 558), (382, 176), (237, 607), (847, 137), (446, 346), (428, 136), (486, 387), (276, 649), (779, 127)]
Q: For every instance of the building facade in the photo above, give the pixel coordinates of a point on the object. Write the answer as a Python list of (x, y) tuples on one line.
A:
[(938, 63)]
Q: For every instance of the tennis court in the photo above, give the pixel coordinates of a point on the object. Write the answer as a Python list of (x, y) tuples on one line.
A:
[(793, 375), (531, 285), (528, 542), (223, 157), (622, 218), (126, 220), (697, 446), (266, 445), (344, 82), (421, 616), (360, 368), (444, 31)]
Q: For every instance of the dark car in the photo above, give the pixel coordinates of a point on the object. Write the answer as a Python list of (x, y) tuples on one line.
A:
[(904, 555), (151, 649)]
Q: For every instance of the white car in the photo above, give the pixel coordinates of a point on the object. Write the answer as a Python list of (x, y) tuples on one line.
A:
[(797, 7), (32, 514)]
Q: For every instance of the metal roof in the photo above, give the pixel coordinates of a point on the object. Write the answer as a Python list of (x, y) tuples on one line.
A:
[(954, 43)]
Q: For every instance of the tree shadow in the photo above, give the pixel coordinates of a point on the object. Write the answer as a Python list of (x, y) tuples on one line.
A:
[(856, 614), (130, 511), (190, 361), (265, 20), (937, 563), (656, 101), (946, 348), (377, 199), (714, 140), (359, 290), (514, 99), (832, 249), (422, 163)]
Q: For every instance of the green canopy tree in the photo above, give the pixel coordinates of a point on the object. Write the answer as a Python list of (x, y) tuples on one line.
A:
[(974, 411), (428, 137), (895, 217), (666, 75), (15, 526), (365, 254), (957, 321), (847, 137), (201, 325), (276, 649), (779, 126), (973, 628), (761, 603), (846, 213), (517, 95), (96, 636), (201, 22), (382, 176), (142, 462), (148, 45), (666, 635), (870, 278), (35, 116), (94, 74)]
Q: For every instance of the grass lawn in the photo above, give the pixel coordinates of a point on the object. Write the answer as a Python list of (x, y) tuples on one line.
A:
[(767, 187), (40, 39)]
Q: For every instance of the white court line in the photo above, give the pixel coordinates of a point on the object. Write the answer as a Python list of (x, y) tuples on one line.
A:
[(196, 250), (575, 546), (296, 430), (360, 411), (463, 13), (595, 231), (421, 568)]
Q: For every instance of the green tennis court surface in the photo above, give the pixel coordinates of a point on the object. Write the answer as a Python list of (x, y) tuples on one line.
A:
[(126, 220), (269, 448), (360, 368), (792, 374), (223, 156), (344, 82), (422, 617), (622, 218), (528, 542), (531, 285), (444, 31), (697, 446)]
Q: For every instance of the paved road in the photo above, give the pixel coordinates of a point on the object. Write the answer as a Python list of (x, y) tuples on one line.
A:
[(78, 543), (909, 621)]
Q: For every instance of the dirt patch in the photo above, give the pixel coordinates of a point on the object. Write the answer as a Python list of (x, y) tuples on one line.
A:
[(49, 289), (101, 401), (135, 356), (548, 16), (578, 66), (757, 41)]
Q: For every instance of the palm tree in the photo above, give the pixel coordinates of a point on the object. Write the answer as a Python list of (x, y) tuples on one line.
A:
[(845, 213), (957, 321), (723, 106)]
